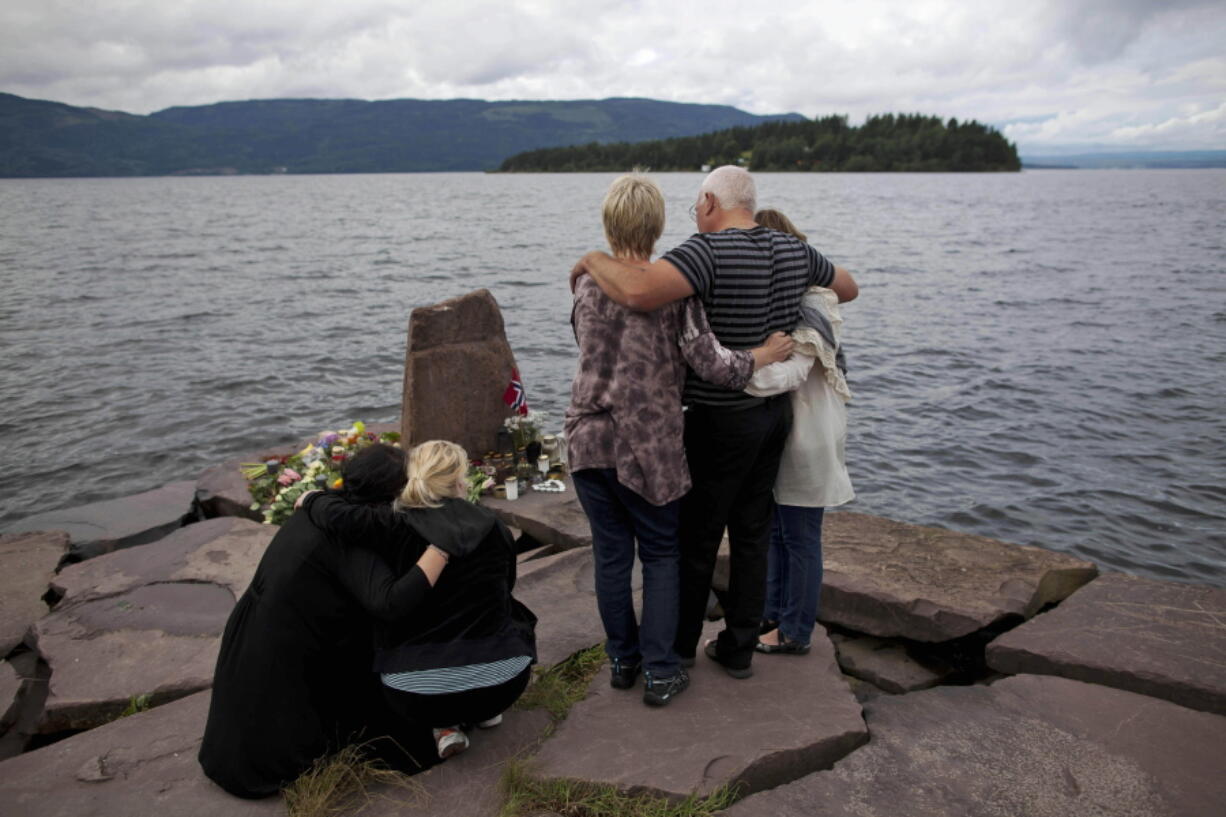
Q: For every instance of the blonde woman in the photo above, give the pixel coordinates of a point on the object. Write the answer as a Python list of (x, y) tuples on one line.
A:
[(463, 654)]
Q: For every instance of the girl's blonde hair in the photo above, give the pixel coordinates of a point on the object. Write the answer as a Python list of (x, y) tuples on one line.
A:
[(435, 470), (776, 220)]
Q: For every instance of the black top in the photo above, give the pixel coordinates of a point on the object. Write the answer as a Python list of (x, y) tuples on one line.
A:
[(292, 680), (469, 616)]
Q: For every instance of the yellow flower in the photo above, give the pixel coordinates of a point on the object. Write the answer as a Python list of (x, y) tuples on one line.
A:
[(338, 482), (358, 427)]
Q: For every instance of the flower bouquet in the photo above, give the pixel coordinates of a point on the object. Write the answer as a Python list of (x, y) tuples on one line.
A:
[(525, 428), (276, 483)]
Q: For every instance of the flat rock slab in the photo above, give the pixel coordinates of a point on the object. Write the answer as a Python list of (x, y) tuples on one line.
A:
[(556, 520), (141, 765), (102, 527), (892, 579), (1158, 638), (885, 664), (1031, 745), (466, 785), (561, 590), (222, 490), (794, 716), (144, 621), (27, 565)]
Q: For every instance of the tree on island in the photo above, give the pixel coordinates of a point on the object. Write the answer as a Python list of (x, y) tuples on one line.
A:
[(886, 143)]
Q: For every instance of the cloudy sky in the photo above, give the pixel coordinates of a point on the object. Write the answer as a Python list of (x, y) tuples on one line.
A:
[(1115, 74)]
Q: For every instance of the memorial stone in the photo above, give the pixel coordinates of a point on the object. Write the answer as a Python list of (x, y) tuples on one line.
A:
[(457, 366)]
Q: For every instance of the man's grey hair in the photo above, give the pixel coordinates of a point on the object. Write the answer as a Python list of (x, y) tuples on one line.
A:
[(732, 187)]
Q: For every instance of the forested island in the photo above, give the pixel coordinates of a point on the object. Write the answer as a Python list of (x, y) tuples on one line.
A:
[(889, 142)]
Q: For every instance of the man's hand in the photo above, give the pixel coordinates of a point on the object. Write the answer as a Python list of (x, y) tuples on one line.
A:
[(777, 348)]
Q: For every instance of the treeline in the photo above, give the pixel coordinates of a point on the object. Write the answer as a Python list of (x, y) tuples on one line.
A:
[(886, 143)]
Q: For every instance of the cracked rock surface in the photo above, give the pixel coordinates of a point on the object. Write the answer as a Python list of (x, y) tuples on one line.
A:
[(1163, 639), (893, 579), (1031, 745), (144, 621), (27, 565)]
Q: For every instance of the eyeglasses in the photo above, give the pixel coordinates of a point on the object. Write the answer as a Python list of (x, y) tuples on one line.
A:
[(694, 212)]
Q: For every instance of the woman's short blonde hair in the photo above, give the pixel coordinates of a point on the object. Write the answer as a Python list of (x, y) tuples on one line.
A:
[(777, 221), (633, 215), (435, 470)]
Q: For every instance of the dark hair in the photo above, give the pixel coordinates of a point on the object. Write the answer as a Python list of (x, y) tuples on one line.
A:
[(377, 473)]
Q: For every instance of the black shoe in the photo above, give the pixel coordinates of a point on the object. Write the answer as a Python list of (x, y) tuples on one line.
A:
[(786, 646), (712, 652), (623, 673), (659, 691), (767, 625)]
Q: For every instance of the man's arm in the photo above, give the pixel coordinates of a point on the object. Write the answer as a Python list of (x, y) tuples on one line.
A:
[(844, 285), (642, 289)]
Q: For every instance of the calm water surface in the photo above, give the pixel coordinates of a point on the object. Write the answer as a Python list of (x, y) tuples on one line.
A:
[(1036, 357)]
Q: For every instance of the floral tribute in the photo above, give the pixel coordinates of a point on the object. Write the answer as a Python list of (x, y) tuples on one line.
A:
[(276, 483)]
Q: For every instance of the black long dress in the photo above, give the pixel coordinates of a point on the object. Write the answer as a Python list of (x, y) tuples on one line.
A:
[(293, 679)]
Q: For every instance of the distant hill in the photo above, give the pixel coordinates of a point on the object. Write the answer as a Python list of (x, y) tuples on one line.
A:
[(1130, 159), (41, 138), (887, 143)]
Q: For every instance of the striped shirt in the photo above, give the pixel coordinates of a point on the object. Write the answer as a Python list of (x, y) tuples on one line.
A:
[(445, 680), (751, 283)]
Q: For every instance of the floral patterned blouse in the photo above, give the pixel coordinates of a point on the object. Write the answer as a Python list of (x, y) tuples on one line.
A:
[(625, 404)]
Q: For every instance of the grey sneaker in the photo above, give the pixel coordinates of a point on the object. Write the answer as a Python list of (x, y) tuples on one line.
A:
[(659, 691)]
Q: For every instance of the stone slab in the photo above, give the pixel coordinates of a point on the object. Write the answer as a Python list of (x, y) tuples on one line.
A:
[(892, 579), (561, 590), (1157, 638), (146, 620), (1031, 745), (27, 565), (794, 716), (140, 766), (467, 785), (556, 520), (457, 365), (24, 682), (885, 664), (102, 527), (222, 490)]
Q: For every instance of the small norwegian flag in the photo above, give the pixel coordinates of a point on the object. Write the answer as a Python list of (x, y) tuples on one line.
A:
[(514, 394)]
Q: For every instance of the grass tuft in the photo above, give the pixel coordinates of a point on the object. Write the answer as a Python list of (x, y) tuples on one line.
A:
[(340, 784), (137, 703), (563, 685), (526, 795)]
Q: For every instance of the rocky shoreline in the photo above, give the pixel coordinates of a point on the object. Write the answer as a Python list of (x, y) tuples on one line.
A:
[(960, 675), (950, 674)]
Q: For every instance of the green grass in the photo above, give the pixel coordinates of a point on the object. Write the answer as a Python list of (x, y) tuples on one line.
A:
[(340, 784), (137, 703), (563, 685), (526, 795)]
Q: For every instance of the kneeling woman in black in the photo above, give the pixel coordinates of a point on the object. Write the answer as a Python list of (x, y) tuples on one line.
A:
[(292, 681), (463, 654)]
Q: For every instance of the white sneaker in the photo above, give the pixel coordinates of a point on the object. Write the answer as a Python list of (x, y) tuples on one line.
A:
[(491, 723), (450, 741)]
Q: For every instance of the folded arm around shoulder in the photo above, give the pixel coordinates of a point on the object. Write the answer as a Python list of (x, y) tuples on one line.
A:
[(641, 288)]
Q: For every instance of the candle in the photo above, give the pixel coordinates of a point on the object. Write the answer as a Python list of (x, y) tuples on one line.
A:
[(512, 488)]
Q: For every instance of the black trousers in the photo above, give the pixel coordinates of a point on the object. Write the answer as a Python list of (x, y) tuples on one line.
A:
[(734, 459)]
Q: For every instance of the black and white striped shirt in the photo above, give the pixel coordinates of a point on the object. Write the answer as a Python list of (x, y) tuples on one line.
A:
[(750, 283)]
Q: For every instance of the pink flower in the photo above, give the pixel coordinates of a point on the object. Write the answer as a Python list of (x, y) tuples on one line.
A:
[(288, 477)]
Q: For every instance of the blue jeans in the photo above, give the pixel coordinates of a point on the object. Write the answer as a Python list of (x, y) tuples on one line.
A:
[(794, 571), (618, 517)]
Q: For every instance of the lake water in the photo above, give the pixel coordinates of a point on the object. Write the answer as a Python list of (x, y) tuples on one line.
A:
[(1037, 357)]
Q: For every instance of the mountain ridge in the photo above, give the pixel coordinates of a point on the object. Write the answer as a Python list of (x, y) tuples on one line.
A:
[(41, 138)]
